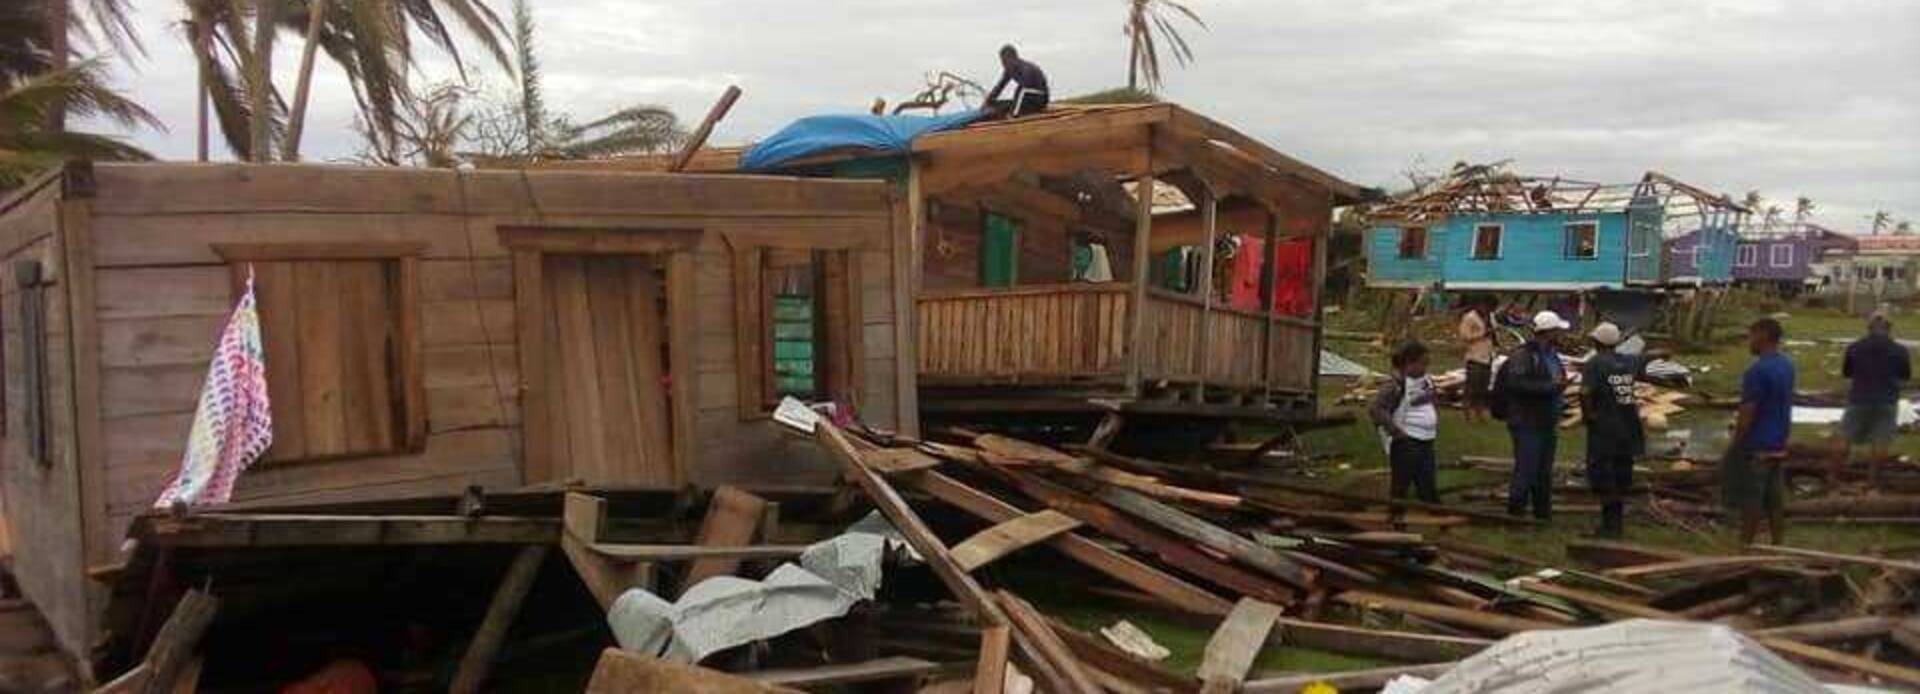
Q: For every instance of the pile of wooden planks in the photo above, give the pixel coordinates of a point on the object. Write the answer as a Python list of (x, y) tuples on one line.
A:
[(1228, 546)]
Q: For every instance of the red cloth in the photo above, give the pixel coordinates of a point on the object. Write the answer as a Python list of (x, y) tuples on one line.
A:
[(338, 677), (1243, 277), (1293, 277)]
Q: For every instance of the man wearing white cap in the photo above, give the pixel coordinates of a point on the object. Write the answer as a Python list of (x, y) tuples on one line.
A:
[(1612, 412), (1529, 392)]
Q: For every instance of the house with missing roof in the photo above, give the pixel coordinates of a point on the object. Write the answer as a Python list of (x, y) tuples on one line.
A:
[(1884, 267), (1486, 229)]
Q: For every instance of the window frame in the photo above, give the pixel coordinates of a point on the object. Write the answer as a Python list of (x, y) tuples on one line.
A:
[(1406, 233), (1567, 240), (1499, 241), (1773, 255), (408, 372), (838, 317), (1746, 255)]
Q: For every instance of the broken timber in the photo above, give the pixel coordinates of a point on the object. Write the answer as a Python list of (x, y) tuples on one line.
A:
[(1233, 647), (1835, 558), (1188, 526), (1011, 536), (478, 660)]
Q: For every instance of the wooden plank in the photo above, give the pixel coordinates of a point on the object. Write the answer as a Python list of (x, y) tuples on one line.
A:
[(699, 137), (1351, 680), (733, 519), (899, 669), (990, 673), (1177, 551), (1028, 622), (1198, 530), (1482, 621), (317, 251), (894, 462), (1838, 558), (529, 300), (620, 672), (477, 662), (1844, 662), (322, 400), (1011, 536), (1375, 643), (617, 392), (924, 542), (174, 645), (1608, 605), (1700, 565), (647, 342), (1176, 592), (1849, 629), (679, 553), (369, 402), (407, 356), (906, 319), (680, 333), (291, 530), (1609, 553), (75, 243), (1137, 305), (630, 240), (583, 516), (1103, 657), (1232, 648), (749, 335)]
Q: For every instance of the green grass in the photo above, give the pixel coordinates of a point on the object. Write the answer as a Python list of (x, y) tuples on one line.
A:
[(1357, 460)]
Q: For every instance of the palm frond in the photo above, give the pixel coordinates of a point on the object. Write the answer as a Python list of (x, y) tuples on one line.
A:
[(635, 130), (30, 140)]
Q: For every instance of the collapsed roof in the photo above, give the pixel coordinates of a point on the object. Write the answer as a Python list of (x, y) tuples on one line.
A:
[(1493, 188)]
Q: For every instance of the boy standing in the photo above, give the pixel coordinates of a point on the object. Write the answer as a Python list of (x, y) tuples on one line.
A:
[(1753, 478), (1614, 433), (1405, 413)]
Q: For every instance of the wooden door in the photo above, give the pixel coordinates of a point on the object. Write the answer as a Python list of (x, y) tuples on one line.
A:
[(605, 379)]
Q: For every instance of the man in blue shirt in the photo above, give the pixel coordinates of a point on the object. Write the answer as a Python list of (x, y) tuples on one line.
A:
[(1753, 476), (1532, 385)]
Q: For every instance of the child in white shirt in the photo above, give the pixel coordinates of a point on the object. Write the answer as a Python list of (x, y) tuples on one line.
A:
[(1406, 413)]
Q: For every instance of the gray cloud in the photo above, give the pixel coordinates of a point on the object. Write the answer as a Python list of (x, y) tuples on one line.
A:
[(1787, 97)]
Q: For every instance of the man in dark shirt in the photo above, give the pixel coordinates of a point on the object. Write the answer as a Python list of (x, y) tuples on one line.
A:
[(1753, 477), (1531, 384), (1877, 365), (1029, 91), (1612, 412)]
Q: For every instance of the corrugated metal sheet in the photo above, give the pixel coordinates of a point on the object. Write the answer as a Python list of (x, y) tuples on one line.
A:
[(1631, 656)]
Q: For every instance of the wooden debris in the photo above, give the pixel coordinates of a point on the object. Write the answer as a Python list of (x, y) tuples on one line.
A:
[(1028, 622), (1135, 641), (1193, 528), (733, 518), (1491, 622), (1009, 537), (1352, 680), (1835, 558), (620, 672), (1233, 647), (1699, 566), (896, 669), (505, 607), (1378, 643)]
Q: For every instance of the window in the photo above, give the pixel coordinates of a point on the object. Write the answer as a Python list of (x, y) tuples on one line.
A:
[(1413, 243), (1583, 240), (1486, 241), (338, 324), (1897, 273), (1749, 255), (29, 278), (999, 251), (798, 327), (1780, 255)]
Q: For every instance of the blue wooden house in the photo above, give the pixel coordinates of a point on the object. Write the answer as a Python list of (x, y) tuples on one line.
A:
[(1483, 229)]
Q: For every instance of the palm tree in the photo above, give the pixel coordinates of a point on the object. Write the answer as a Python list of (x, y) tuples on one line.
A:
[(369, 39), (1145, 20), (1752, 200), (30, 137), (1904, 228), (1881, 218), (1803, 208), (1771, 217)]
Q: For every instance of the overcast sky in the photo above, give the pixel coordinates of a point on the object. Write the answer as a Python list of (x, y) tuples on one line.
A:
[(1810, 97)]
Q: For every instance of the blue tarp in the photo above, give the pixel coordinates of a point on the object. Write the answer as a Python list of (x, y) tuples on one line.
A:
[(816, 134)]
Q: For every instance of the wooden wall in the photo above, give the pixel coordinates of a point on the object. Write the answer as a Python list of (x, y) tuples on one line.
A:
[(147, 240), (43, 499), (1046, 240)]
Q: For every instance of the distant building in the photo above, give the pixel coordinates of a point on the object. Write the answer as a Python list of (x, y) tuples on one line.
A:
[(1879, 266), (1791, 259), (1487, 230)]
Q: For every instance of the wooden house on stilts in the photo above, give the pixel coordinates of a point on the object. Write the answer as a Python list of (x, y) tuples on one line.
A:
[(1143, 259), (427, 330)]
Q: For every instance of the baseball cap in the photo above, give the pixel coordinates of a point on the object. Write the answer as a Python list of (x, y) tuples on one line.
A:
[(1606, 333), (1548, 320)]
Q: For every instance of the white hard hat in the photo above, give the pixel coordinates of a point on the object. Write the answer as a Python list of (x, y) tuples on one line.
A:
[(1548, 320), (1606, 333)]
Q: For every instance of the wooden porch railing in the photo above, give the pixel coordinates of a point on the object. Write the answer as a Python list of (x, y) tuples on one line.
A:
[(1032, 334), (1079, 333)]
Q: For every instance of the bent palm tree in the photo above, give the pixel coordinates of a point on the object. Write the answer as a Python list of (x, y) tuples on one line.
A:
[(1149, 23), (30, 141), (369, 39)]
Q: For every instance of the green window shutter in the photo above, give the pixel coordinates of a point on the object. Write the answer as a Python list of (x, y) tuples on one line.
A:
[(793, 345), (999, 248)]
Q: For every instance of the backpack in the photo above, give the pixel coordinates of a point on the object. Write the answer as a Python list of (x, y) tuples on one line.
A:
[(1499, 402)]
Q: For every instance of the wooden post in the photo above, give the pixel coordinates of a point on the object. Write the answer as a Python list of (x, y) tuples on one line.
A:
[(1209, 221), (1137, 317), (178, 638), (1321, 240), (1269, 277), (699, 137), (478, 661)]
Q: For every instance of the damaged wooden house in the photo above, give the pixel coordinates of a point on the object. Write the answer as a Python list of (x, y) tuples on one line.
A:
[(1144, 259), (426, 331)]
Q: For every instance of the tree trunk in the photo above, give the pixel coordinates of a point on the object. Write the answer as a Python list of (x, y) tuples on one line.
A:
[(260, 82), (297, 120), (1133, 70), (203, 50), (59, 17)]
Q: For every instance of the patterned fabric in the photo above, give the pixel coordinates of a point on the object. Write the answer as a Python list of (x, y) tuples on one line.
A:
[(233, 424)]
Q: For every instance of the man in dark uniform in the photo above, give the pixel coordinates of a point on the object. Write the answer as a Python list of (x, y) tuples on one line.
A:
[(1614, 434), (1030, 87)]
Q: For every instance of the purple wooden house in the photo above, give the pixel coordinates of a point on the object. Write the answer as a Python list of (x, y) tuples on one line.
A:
[(1786, 258)]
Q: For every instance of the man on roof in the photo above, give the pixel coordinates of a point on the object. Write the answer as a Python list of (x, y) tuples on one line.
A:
[(1029, 87)]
